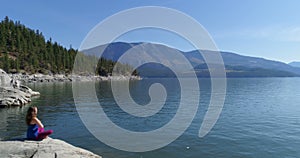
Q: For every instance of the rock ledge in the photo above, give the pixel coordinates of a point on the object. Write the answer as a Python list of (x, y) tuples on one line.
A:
[(47, 148), (12, 93)]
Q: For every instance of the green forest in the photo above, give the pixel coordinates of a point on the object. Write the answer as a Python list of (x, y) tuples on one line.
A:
[(23, 50)]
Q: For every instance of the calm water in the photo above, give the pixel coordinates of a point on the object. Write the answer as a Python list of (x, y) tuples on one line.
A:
[(260, 118)]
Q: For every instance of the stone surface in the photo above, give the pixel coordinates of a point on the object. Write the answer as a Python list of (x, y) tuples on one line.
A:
[(4, 79), (47, 148), (12, 93)]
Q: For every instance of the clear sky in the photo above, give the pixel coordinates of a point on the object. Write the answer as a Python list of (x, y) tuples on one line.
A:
[(261, 28)]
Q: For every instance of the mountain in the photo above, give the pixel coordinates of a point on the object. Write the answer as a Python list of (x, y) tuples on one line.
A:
[(295, 64), (233, 59), (25, 50), (236, 65)]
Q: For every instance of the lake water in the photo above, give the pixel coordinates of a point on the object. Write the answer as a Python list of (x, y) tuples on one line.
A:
[(260, 118)]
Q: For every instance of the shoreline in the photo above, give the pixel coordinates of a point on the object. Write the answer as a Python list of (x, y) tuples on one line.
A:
[(40, 78)]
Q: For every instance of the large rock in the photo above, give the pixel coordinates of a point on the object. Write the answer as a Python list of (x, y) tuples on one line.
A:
[(4, 79), (12, 93), (47, 148)]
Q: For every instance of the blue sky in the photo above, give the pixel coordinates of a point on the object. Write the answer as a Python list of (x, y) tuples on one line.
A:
[(261, 28)]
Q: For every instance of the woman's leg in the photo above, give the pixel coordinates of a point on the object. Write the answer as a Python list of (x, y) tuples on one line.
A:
[(40, 130), (44, 134)]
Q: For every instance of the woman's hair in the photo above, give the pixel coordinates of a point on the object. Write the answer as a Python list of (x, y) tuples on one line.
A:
[(29, 114)]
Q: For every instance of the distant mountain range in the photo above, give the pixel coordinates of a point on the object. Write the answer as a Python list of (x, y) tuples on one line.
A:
[(295, 64), (236, 65)]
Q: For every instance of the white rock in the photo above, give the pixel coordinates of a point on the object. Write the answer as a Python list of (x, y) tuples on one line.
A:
[(4, 79)]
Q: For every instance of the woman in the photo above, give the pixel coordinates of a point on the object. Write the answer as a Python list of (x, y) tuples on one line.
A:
[(35, 129)]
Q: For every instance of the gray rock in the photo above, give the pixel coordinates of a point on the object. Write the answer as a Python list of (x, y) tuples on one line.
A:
[(12, 93), (47, 148), (4, 79)]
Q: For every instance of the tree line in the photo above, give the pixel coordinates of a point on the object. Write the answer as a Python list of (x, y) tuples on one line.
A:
[(24, 50)]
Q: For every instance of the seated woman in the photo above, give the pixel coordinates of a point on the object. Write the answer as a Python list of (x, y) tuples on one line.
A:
[(35, 129)]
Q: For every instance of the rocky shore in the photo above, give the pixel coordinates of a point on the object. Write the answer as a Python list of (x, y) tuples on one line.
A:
[(47, 148), (25, 78), (12, 93)]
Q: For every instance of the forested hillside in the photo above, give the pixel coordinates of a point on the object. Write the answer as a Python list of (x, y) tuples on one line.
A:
[(25, 50)]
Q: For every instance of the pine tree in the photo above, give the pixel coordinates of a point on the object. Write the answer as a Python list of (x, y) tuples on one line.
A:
[(6, 62)]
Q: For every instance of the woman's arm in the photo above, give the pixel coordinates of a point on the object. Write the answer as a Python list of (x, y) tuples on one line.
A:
[(38, 122)]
